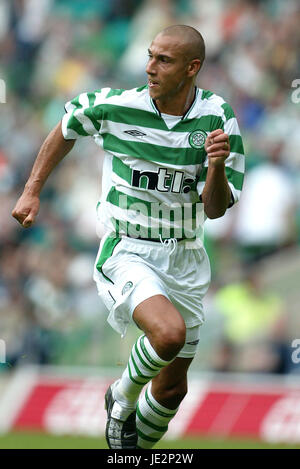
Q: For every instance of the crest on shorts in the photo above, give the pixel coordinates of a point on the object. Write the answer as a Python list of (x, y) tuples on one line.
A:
[(197, 139), (127, 287)]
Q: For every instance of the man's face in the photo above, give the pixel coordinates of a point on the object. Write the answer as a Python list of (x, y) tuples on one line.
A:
[(167, 67)]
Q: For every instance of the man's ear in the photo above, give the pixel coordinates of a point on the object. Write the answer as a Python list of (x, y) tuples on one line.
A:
[(194, 67)]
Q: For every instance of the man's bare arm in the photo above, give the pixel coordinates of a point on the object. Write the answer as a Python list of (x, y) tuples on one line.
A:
[(216, 194), (52, 151)]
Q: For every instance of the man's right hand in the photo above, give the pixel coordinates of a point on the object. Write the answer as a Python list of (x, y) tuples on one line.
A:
[(26, 209), (52, 151)]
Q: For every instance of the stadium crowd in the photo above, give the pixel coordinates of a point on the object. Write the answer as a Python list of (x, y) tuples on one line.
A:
[(50, 51)]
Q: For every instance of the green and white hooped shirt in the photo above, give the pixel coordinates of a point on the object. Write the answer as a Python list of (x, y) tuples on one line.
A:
[(154, 168)]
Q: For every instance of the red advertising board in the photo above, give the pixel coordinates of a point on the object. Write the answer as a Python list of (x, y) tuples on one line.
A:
[(67, 406), (271, 416)]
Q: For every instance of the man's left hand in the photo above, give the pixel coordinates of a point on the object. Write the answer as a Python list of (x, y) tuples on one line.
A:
[(217, 147)]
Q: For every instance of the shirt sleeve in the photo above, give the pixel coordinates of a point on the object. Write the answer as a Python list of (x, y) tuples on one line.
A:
[(83, 115), (235, 163)]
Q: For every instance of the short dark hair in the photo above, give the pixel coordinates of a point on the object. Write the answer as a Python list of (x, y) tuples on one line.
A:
[(193, 39)]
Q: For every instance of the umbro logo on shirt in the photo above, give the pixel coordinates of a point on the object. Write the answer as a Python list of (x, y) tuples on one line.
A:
[(135, 133)]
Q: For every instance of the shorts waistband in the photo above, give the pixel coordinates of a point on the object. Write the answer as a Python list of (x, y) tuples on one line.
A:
[(157, 240)]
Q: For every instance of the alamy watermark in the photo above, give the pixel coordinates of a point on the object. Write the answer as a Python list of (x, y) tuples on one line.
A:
[(2, 351), (295, 97), (156, 220), (296, 353), (2, 91)]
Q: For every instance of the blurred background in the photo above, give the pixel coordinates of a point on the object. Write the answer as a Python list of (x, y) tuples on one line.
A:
[(51, 50)]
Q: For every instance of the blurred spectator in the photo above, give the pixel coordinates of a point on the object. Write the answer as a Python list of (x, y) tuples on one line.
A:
[(265, 218), (254, 323)]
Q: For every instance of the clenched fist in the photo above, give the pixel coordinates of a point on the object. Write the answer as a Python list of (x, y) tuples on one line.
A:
[(26, 209), (217, 147)]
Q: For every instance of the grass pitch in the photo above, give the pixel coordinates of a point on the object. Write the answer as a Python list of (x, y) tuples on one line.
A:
[(32, 440)]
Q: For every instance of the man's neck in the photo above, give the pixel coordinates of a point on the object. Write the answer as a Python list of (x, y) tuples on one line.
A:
[(177, 105)]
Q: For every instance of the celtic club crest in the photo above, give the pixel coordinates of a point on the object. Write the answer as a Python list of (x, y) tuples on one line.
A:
[(197, 139), (127, 287)]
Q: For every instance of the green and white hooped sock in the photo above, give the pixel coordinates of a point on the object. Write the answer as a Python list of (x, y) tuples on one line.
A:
[(152, 420), (143, 365)]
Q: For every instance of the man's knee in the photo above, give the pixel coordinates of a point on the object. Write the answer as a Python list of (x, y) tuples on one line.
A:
[(168, 339), (171, 395), (170, 386), (163, 325), (178, 391)]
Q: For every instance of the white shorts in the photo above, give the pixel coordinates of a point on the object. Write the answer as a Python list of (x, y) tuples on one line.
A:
[(128, 271)]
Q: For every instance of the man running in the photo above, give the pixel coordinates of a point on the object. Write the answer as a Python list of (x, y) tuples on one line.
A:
[(173, 156)]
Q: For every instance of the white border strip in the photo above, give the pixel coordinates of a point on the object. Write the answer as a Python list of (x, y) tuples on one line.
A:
[(15, 394)]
